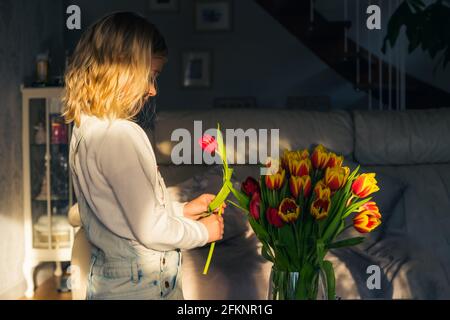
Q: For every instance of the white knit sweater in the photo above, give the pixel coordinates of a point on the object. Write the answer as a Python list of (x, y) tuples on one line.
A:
[(120, 180)]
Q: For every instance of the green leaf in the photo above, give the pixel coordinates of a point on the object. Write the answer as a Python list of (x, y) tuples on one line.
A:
[(287, 237), (220, 198), (346, 243), (305, 282), (260, 231), (354, 207), (327, 268), (284, 190), (241, 197), (238, 206), (222, 149)]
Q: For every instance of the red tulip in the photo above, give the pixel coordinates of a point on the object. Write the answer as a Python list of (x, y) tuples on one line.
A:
[(274, 218), (254, 206), (250, 186), (208, 143)]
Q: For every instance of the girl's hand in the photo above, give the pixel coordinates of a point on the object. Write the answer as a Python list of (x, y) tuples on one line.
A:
[(214, 225), (197, 208)]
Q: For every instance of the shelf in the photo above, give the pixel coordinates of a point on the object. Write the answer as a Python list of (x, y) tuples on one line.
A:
[(52, 144), (52, 199)]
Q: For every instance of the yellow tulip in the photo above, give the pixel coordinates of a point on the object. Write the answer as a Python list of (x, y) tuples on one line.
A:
[(336, 177), (319, 187), (335, 160), (293, 155), (288, 210), (302, 184), (366, 221), (365, 185), (299, 168), (321, 205), (320, 157), (275, 181), (372, 207)]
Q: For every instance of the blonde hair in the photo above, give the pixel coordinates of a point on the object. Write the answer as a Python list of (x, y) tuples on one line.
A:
[(109, 75)]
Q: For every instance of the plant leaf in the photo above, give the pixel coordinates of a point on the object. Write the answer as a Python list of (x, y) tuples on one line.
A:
[(346, 243), (220, 198), (327, 268), (304, 284)]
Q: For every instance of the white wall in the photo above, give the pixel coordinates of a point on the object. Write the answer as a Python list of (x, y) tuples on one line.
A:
[(258, 58)]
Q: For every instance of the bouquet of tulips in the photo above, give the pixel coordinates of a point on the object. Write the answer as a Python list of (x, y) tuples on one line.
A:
[(298, 211)]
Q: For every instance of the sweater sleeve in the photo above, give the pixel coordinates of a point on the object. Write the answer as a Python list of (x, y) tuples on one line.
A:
[(127, 162), (178, 208)]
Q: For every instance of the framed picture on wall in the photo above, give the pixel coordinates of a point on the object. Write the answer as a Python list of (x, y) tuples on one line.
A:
[(213, 15), (196, 69), (164, 5)]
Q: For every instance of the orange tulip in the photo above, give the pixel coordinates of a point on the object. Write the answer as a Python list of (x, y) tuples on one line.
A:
[(299, 168), (302, 184), (320, 157), (275, 181), (321, 205), (365, 185), (372, 207), (335, 160), (336, 177), (366, 221), (288, 210)]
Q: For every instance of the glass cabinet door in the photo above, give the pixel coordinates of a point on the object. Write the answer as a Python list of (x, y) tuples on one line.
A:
[(51, 187)]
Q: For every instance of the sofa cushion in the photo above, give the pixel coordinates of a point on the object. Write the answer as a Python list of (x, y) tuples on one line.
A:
[(298, 129), (390, 200), (400, 138), (427, 206)]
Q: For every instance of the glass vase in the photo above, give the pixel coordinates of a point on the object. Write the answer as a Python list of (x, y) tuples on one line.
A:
[(285, 285)]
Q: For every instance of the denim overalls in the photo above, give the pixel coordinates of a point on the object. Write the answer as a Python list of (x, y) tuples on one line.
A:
[(122, 268)]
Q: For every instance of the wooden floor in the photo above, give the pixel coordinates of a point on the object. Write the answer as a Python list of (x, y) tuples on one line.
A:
[(48, 291)]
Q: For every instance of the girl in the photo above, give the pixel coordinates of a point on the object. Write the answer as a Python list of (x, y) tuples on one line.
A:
[(135, 229)]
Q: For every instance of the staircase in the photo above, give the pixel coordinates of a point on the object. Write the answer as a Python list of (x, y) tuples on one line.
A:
[(326, 40)]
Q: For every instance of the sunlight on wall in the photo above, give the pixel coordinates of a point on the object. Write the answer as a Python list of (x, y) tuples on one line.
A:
[(11, 245)]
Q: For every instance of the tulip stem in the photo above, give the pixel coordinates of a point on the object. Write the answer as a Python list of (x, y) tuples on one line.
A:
[(211, 249)]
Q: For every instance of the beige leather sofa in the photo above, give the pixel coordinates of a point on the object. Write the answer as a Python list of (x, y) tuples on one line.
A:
[(409, 150)]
